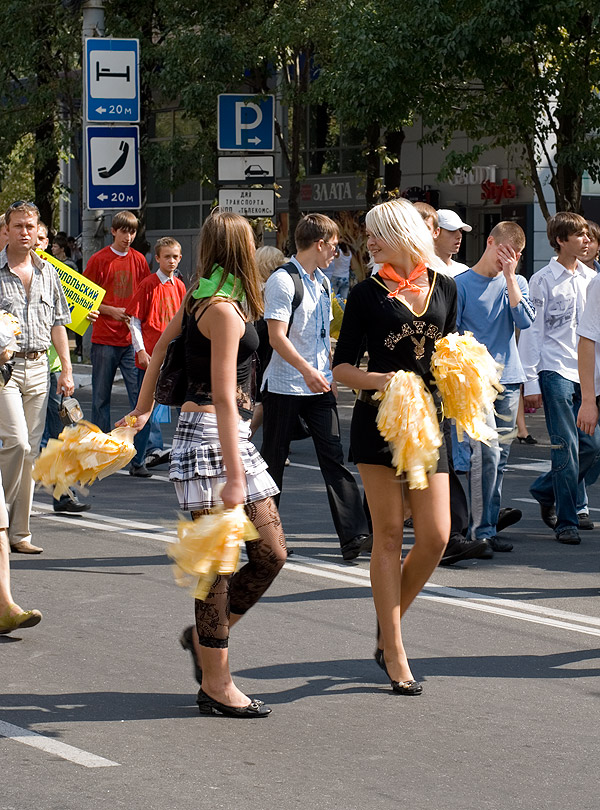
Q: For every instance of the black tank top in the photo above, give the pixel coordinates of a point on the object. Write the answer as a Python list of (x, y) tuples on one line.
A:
[(197, 366)]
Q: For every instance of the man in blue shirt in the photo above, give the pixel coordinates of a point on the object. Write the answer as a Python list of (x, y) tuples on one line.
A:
[(492, 302), (298, 379)]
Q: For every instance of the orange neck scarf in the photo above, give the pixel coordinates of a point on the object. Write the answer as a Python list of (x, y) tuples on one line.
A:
[(387, 271)]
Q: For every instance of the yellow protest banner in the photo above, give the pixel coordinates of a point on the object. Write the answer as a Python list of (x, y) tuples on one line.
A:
[(82, 296)]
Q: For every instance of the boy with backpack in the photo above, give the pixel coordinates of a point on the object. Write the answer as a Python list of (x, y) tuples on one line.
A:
[(298, 380)]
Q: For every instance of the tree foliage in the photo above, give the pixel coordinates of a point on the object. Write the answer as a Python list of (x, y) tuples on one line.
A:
[(520, 74), (40, 62)]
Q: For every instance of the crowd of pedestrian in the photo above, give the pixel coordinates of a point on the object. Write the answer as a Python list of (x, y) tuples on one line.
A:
[(243, 304)]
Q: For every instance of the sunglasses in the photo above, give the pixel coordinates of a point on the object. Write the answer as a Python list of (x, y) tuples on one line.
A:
[(19, 203)]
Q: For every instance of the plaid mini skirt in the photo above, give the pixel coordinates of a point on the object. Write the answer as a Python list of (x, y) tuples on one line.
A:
[(197, 468)]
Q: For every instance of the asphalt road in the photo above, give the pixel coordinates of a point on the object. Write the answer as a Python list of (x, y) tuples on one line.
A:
[(97, 709)]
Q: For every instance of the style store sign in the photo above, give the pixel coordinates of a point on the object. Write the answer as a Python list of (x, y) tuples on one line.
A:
[(496, 192)]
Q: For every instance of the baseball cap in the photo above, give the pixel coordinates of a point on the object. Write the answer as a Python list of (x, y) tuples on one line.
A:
[(450, 221)]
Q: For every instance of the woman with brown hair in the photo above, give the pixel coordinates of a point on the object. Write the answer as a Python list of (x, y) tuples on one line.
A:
[(398, 313), (212, 459)]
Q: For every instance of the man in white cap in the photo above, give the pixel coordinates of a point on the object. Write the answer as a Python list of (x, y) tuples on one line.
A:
[(447, 241)]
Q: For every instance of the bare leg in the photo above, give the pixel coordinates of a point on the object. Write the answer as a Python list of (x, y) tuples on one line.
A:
[(521, 425), (431, 519), (6, 600), (384, 494)]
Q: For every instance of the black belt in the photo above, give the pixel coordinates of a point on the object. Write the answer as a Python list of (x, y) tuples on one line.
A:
[(366, 396), (29, 355)]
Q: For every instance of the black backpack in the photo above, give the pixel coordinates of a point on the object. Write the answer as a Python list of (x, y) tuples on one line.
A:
[(265, 350)]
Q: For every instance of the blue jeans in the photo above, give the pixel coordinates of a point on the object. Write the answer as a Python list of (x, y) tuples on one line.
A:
[(487, 465), (105, 362), (340, 287), (575, 456)]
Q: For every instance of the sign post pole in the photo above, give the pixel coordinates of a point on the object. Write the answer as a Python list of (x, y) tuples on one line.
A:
[(92, 237)]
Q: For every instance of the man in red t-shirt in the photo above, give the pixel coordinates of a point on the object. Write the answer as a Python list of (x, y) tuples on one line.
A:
[(153, 307), (119, 269)]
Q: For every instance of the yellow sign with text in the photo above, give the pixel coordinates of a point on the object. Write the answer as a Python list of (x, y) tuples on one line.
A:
[(82, 296)]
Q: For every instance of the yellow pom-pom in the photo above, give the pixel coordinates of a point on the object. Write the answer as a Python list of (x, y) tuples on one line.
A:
[(209, 546), (407, 419), (468, 379), (80, 455)]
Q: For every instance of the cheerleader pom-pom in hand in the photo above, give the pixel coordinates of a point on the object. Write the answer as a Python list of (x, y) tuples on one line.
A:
[(407, 419), (209, 546), (468, 379), (80, 455), (9, 331)]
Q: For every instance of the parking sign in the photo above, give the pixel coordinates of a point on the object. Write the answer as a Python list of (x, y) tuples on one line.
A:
[(246, 123)]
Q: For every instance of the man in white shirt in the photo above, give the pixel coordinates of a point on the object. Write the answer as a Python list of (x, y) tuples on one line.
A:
[(447, 241), (548, 351), (298, 379)]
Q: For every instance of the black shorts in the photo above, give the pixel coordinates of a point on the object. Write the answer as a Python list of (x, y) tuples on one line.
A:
[(367, 445)]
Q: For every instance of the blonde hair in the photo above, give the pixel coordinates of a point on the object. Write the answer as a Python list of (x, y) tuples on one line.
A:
[(228, 240), (399, 224), (268, 259), (165, 242)]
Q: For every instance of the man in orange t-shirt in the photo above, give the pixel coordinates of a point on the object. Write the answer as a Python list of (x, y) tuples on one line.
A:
[(119, 269), (152, 308)]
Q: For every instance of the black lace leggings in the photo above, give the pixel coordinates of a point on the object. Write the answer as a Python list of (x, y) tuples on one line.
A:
[(236, 593)]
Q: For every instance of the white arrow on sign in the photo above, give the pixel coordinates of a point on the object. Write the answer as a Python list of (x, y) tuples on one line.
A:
[(254, 140), (100, 109), (103, 197)]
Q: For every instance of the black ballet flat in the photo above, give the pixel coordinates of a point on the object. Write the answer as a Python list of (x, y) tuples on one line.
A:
[(208, 705), (406, 687), (187, 643), (378, 656)]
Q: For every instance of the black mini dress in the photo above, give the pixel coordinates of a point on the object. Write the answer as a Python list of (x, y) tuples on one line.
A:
[(395, 338)]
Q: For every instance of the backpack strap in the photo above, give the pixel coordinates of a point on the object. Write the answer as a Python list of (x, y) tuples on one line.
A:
[(294, 274)]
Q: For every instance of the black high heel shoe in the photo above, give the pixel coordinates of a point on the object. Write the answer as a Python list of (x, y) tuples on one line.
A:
[(208, 705), (186, 641), (406, 687), (527, 439)]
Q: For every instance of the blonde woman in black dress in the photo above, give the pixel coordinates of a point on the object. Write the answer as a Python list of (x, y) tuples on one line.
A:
[(398, 313)]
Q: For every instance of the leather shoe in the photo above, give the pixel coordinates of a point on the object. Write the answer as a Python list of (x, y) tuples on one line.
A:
[(459, 548), (508, 517), (25, 547), (569, 536), (70, 503), (351, 549), (140, 471), (585, 521), (156, 458), (548, 515), (499, 545), (487, 552)]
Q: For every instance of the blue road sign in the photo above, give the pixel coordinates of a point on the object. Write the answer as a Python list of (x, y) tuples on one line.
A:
[(246, 123), (112, 80), (113, 167)]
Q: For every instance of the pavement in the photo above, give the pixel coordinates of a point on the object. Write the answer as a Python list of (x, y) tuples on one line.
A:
[(97, 706)]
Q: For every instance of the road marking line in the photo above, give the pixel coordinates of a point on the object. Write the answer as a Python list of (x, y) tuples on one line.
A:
[(464, 599), (533, 500), (132, 524), (69, 752), (360, 577)]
